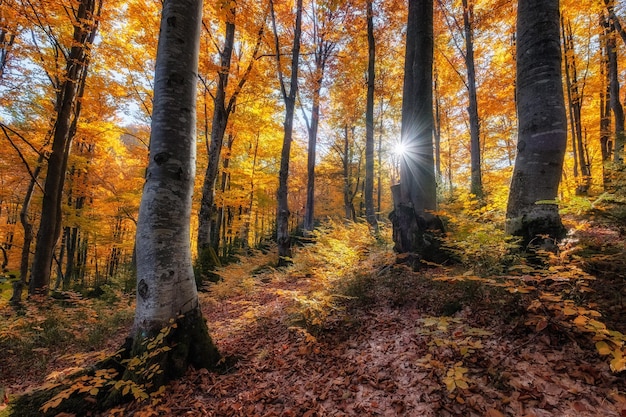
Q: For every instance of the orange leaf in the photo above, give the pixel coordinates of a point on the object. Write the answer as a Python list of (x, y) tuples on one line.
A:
[(492, 412), (543, 323)]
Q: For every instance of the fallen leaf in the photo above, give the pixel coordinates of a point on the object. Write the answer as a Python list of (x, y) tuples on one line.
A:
[(492, 412)]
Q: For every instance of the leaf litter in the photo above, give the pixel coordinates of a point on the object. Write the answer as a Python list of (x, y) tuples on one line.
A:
[(401, 343), (391, 352)]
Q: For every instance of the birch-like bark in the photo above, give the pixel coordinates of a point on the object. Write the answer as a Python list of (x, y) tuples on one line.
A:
[(165, 279)]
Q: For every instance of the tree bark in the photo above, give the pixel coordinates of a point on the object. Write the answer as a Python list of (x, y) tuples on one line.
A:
[(370, 212), (166, 288), (532, 211), (415, 198)]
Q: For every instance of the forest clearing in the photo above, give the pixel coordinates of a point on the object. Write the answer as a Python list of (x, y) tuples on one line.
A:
[(347, 331)]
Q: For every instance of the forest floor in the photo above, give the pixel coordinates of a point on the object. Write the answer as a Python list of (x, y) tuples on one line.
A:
[(348, 331)]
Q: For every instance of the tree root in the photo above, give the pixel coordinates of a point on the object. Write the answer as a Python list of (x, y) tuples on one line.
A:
[(141, 367)]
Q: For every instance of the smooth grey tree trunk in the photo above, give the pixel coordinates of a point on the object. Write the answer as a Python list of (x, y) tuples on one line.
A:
[(532, 211), (166, 287)]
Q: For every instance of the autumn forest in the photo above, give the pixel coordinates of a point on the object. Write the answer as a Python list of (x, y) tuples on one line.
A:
[(312, 207)]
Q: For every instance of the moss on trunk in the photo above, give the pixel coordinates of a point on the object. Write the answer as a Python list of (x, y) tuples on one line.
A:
[(184, 342), (540, 227), (418, 234)]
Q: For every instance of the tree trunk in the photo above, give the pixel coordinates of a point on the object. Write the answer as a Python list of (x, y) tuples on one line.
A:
[(415, 198), (345, 162), (605, 98), (575, 99), (437, 128), (207, 212), (370, 212), (18, 286), (323, 51), (245, 235), (605, 104), (309, 211), (476, 186), (379, 188), (68, 112), (282, 217), (166, 289), (616, 105), (7, 39), (532, 212)]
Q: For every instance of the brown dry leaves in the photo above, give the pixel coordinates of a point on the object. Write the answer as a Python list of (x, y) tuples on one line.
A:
[(369, 361)]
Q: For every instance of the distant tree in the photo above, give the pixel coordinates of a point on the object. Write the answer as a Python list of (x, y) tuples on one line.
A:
[(370, 213), (532, 211), (289, 97), (415, 198), (476, 186), (209, 220), (619, 137), (69, 86), (208, 229), (468, 29), (575, 88), (324, 17)]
